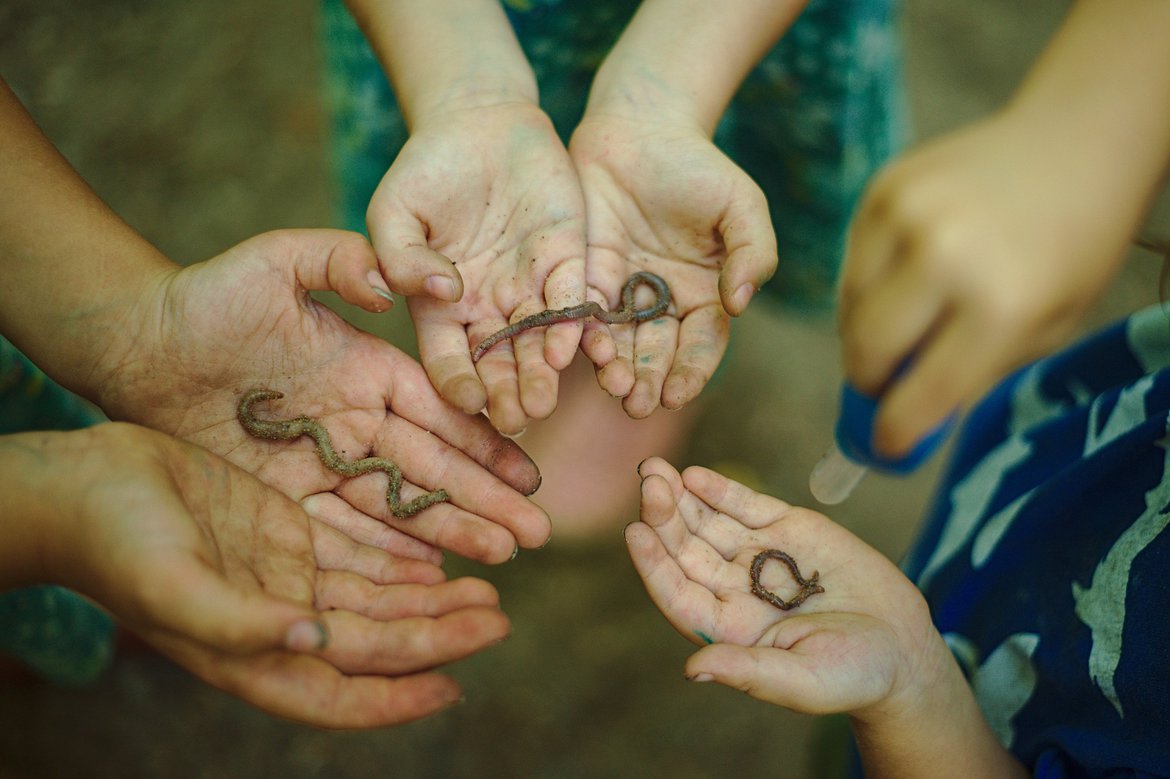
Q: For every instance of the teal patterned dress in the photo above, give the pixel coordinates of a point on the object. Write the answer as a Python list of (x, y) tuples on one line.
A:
[(810, 124), (55, 632)]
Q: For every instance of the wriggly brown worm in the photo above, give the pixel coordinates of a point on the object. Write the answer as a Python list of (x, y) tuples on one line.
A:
[(808, 587), (629, 312), (288, 429)]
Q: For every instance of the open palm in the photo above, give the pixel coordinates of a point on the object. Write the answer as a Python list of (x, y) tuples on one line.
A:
[(492, 191), (852, 646), (662, 198), (245, 320)]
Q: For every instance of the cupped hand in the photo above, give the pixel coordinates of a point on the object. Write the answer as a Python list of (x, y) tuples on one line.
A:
[(861, 645), (661, 197), (238, 584), (480, 221), (245, 320), (973, 254)]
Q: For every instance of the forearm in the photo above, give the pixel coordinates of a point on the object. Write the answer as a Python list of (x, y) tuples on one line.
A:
[(446, 54), (32, 484), (936, 731), (686, 58), (1098, 96), (71, 268)]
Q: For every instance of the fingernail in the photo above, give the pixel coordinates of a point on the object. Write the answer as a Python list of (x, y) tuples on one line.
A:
[(378, 284), (440, 287), (743, 296), (699, 678), (309, 635), (515, 552)]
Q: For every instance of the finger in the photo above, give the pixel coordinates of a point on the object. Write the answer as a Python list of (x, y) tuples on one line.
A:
[(702, 338), (342, 590), (660, 467), (961, 362), (686, 605), (367, 530), (536, 380), (194, 600), (871, 246), (443, 350), (750, 242), (655, 343), (433, 464), (659, 510), (484, 518), (336, 551), (336, 260), (498, 372), (357, 702), (406, 260), (748, 508), (360, 645), (675, 517), (564, 287), (884, 328), (309, 690), (767, 674), (414, 400)]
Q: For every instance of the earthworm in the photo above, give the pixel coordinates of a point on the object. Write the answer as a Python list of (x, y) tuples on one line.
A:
[(288, 429), (808, 587), (629, 312)]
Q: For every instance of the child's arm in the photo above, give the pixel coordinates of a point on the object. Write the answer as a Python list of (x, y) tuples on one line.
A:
[(483, 185), (864, 646), (662, 197), (982, 250)]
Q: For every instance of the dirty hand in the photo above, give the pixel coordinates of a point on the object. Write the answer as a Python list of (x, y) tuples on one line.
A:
[(864, 645), (976, 253), (480, 222), (660, 197), (237, 584), (208, 333)]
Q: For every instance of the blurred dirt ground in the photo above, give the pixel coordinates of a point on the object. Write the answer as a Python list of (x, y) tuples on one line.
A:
[(202, 124)]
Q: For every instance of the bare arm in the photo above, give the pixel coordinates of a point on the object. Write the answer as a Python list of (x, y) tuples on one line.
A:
[(688, 57), (61, 309), (446, 53), (981, 250)]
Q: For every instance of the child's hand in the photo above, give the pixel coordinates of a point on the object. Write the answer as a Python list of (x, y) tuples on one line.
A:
[(976, 253), (211, 332), (661, 197), (490, 189), (864, 645)]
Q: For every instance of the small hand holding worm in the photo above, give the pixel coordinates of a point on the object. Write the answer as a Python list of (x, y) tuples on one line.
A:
[(859, 639), (480, 222), (662, 198)]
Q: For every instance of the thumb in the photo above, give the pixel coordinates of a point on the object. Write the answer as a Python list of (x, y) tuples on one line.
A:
[(410, 265), (335, 260), (197, 602), (751, 252), (762, 673)]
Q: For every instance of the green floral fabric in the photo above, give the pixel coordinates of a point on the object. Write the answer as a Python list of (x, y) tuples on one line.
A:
[(810, 124)]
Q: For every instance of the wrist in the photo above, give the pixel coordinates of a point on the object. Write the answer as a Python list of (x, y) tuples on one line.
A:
[(40, 479), (629, 88), (446, 55), (683, 60), (931, 721)]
